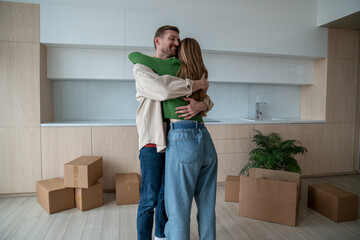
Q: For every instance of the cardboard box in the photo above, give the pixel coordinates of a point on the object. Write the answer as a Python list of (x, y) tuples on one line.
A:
[(277, 175), (83, 172), (53, 196), (89, 198), (273, 200), (333, 202), (127, 188), (232, 188)]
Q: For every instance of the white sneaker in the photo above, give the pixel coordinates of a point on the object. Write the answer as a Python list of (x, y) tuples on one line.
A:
[(156, 238)]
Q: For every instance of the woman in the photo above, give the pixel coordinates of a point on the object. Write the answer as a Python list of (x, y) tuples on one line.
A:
[(191, 159)]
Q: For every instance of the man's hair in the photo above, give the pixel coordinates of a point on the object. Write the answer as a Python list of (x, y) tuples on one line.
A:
[(161, 30)]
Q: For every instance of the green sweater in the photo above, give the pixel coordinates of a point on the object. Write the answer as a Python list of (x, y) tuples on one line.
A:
[(168, 66)]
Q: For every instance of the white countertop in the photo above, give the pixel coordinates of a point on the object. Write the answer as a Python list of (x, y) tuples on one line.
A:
[(217, 121)]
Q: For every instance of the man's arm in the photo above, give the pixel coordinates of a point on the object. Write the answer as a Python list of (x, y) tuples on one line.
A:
[(161, 88)]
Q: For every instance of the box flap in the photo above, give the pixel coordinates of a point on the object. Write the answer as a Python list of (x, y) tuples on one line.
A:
[(274, 175), (52, 184), (332, 190), (127, 177), (232, 178), (84, 160)]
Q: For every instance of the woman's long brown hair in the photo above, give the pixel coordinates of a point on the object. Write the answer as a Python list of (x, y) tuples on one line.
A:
[(192, 64)]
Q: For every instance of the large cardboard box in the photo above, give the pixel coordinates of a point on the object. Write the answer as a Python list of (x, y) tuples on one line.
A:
[(89, 198), (232, 188), (127, 188), (83, 172), (53, 196), (268, 199), (333, 202), (277, 175)]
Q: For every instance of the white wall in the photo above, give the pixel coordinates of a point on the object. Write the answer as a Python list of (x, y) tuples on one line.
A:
[(330, 10)]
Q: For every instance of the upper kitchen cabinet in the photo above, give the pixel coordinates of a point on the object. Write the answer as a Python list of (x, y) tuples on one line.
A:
[(62, 24), (19, 22), (298, 40), (19, 84), (85, 63), (212, 32), (258, 69)]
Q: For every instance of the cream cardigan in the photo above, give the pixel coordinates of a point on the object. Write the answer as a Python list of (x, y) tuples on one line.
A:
[(151, 89)]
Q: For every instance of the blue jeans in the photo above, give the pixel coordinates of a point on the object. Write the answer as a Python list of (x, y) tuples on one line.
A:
[(190, 172), (152, 166)]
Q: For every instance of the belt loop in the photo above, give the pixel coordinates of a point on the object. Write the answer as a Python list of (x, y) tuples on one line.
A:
[(171, 126), (196, 125)]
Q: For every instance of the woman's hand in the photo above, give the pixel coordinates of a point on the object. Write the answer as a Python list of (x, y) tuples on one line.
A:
[(191, 110), (202, 84)]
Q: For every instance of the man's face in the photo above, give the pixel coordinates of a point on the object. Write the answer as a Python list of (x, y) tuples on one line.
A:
[(169, 43)]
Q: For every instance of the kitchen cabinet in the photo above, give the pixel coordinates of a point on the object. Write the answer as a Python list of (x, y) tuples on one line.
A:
[(233, 144), (20, 146), (19, 89), (239, 35), (60, 145), (65, 24), (119, 148), (339, 147), (85, 63), (288, 38), (19, 22), (341, 90), (20, 159)]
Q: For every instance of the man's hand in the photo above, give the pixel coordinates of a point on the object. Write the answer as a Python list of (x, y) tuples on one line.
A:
[(191, 110), (202, 83)]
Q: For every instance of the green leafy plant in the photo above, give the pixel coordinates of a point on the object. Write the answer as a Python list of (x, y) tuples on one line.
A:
[(271, 152)]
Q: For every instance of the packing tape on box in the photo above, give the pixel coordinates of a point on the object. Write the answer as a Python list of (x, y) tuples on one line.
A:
[(76, 176), (78, 198)]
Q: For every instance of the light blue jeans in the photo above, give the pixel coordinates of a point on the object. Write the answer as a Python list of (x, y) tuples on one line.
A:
[(190, 172)]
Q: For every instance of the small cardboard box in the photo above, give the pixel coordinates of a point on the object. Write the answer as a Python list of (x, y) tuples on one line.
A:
[(268, 199), (333, 202), (232, 188), (89, 198), (127, 188), (83, 172), (53, 196)]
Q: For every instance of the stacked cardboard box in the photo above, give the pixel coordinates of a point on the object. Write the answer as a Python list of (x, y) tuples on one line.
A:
[(333, 202), (127, 188), (83, 173)]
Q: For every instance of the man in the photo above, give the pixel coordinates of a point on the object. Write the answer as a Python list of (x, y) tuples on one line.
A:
[(151, 90)]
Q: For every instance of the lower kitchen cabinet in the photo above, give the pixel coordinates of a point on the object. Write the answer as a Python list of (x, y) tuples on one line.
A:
[(119, 148), (20, 159), (339, 139), (60, 145)]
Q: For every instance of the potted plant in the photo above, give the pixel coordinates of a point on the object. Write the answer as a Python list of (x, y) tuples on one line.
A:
[(271, 152)]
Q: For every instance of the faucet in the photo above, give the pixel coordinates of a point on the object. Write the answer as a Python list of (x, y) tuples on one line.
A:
[(259, 110)]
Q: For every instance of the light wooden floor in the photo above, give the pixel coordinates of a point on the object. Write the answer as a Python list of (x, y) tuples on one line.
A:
[(24, 218)]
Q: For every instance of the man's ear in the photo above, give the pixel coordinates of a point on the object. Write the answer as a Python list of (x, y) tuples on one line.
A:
[(157, 41)]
